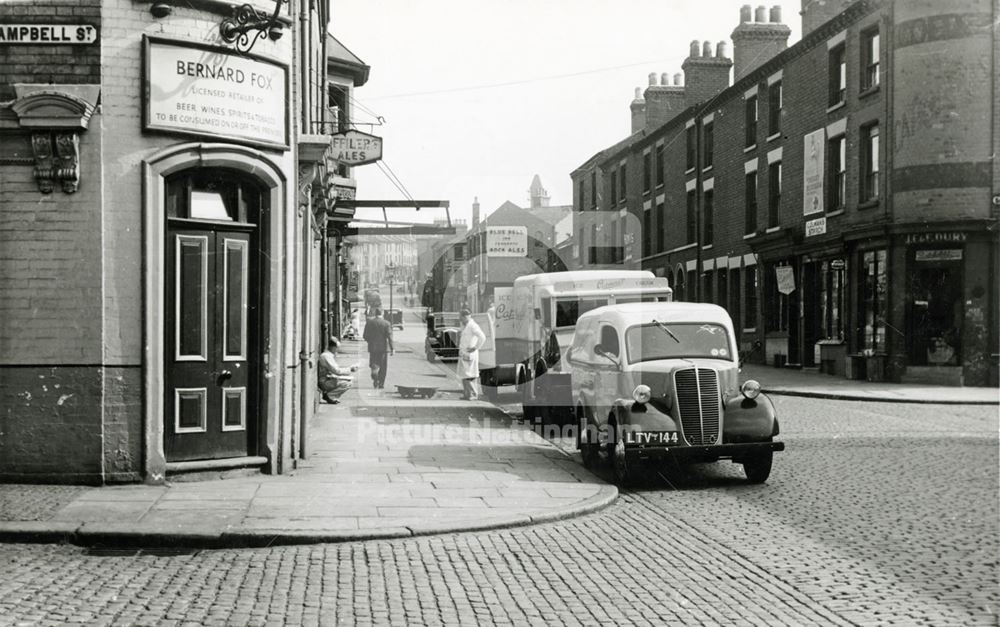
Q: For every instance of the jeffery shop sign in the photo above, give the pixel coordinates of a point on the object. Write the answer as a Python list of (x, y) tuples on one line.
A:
[(208, 91)]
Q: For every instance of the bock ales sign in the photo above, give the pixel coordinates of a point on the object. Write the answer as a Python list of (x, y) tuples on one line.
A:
[(204, 90)]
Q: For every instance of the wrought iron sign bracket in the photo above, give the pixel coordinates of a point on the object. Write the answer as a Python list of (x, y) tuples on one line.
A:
[(247, 25)]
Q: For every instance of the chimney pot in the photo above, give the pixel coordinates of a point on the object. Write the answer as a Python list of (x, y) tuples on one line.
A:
[(746, 13), (665, 79), (652, 79), (638, 93), (706, 50), (720, 50), (761, 15), (677, 80), (776, 14), (695, 49)]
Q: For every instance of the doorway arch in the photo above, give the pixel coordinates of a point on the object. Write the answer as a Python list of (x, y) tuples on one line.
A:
[(245, 164)]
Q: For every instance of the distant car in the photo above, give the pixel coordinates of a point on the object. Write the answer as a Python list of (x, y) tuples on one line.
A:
[(394, 317), (442, 335), (659, 381)]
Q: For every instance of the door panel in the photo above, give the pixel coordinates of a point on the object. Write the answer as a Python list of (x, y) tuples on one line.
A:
[(209, 400)]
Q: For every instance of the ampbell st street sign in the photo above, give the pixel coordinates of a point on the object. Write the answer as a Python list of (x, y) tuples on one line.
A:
[(356, 148)]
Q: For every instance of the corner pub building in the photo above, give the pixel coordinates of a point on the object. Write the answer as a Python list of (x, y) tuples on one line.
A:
[(840, 197), (163, 209)]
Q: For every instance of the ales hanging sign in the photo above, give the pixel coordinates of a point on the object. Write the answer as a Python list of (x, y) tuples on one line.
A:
[(356, 148)]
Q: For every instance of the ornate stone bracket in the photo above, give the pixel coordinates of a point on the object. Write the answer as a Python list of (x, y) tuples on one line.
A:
[(55, 118)]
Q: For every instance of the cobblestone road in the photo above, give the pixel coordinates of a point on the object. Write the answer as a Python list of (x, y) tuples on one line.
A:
[(876, 514)]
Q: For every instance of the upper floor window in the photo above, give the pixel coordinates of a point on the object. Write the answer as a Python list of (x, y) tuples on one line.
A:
[(870, 59), (581, 200), (692, 217), (708, 218), (647, 173), (773, 194), (774, 96), (660, 226), (621, 183), (708, 144), (593, 189), (869, 163), (751, 203), (614, 186), (838, 74), (750, 115), (692, 147), (647, 233), (660, 165), (837, 175)]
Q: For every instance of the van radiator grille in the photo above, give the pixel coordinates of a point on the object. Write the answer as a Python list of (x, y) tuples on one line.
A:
[(698, 402)]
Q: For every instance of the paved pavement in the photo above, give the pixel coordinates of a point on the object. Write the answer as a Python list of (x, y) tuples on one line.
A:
[(811, 383), (379, 467)]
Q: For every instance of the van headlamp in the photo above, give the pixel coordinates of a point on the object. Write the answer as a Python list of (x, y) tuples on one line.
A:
[(641, 394), (750, 389)]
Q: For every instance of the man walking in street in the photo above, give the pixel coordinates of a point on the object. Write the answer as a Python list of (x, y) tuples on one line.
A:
[(378, 334), (469, 341)]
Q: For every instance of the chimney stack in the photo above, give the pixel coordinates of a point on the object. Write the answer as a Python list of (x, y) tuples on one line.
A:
[(817, 12), (705, 75), (638, 108), (663, 101), (755, 43), (475, 211)]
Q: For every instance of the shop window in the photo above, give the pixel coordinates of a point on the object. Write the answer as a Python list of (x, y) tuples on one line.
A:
[(773, 194), (692, 146), (874, 285), (750, 225), (709, 218), (837, 175), (775, 303), (647, 173), (750, 297), (722, 287), (692, 217), (869, 163), (734, 297), (870, 59), (838, 75), (750, 119), (774, 104), (832, 299)]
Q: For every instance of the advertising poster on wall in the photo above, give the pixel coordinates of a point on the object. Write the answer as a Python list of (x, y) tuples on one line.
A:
[(812, 172)]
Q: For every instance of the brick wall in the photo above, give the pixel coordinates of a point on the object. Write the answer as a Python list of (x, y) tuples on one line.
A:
[(49, 429)]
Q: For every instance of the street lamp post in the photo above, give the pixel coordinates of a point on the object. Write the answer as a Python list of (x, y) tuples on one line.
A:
[(390, 271)]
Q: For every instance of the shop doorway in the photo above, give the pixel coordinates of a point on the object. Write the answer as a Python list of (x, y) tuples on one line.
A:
[(211, 315), (936, 309)]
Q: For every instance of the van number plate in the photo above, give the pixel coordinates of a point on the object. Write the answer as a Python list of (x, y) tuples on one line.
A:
[(651, 437)]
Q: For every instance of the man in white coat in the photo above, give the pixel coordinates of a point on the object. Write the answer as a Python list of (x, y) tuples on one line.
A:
[(471, 338)]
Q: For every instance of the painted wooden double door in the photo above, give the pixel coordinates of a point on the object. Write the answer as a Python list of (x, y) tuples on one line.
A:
[(211, 323)]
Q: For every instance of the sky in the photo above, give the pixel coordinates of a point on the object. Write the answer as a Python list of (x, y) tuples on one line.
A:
[(477, 96)]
